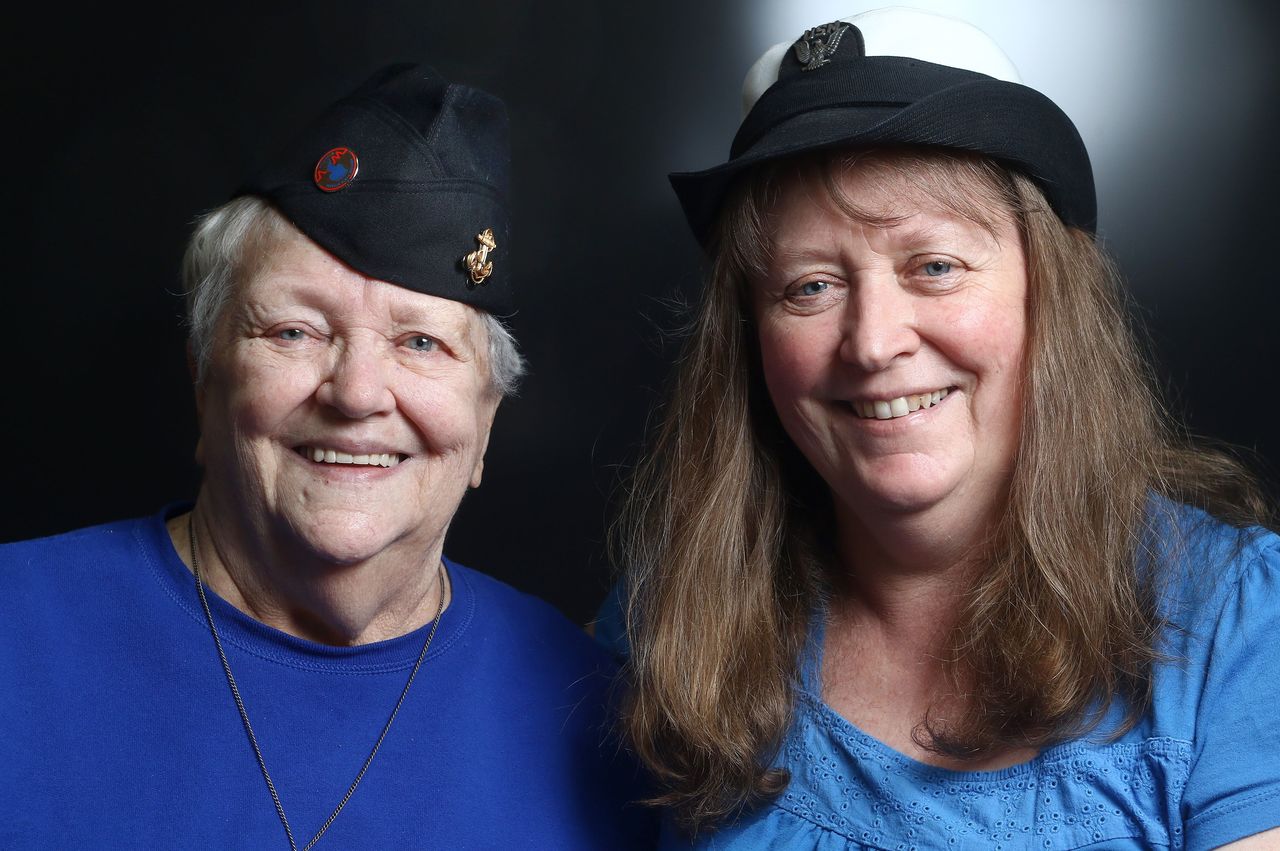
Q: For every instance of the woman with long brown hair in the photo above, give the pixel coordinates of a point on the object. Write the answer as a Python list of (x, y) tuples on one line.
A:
[(917, 558)]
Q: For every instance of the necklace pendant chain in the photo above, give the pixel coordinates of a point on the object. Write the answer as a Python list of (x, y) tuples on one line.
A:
[(244, 715)]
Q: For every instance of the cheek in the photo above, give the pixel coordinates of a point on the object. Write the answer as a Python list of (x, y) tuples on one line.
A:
[(986, 336), (1006, 337), (449, 418), (995, 352), (257, 410), (257, 396), (793, 364)]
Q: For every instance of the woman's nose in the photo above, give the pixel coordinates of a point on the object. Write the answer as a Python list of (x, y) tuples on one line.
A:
[(358, 383), (880, 325)]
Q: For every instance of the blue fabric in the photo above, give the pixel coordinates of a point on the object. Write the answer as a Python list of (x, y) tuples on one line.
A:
[(609, 627), (1201, 768), (118, 730)]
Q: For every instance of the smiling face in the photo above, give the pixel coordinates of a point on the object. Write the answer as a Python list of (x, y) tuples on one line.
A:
[(341, 416), (892, 342)]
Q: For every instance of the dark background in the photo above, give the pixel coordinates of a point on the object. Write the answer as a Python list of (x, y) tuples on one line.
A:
[(122, 127)]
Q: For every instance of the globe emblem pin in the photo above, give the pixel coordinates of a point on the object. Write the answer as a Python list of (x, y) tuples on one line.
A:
[(336, 169)]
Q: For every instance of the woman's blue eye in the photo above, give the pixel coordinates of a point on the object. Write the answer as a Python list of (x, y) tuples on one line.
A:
[(937, 268), (421, 343), (292, 335), (813, 287)]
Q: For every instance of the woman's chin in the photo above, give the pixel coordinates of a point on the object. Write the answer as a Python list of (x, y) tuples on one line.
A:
[(343, 551), (908, 486), (343, 538), (898, 500)]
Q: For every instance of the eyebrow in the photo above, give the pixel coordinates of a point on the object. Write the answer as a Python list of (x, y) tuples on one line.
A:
[(954, 223), (931, 230), (298, 288)]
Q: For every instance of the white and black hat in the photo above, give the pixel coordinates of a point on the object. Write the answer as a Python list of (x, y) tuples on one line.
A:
[(897, 77)]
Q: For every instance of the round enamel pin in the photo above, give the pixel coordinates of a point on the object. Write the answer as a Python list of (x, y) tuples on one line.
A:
[(336, 169)]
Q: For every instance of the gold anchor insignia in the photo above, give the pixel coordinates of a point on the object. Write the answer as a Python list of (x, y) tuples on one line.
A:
[(477, 262)]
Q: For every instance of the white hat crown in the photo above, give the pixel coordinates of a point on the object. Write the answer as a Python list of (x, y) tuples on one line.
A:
[(900, 31)]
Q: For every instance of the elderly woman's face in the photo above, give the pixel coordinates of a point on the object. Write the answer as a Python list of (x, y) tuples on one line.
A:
[(343, 412), (892, 352)]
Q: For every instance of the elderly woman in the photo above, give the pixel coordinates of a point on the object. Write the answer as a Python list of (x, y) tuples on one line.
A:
[(292, 660), (917, 560)]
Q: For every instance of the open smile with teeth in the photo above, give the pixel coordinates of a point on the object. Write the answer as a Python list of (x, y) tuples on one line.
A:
[(889, 409), (332, 456)]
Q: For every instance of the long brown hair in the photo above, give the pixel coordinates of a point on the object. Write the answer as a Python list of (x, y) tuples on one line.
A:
[(727, 530)]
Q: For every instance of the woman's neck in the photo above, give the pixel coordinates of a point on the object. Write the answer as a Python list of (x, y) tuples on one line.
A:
[(897, 593), (336, 604), (911, 561)]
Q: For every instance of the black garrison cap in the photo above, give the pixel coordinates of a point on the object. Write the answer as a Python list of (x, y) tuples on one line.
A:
[(405, 180), (839, 85)]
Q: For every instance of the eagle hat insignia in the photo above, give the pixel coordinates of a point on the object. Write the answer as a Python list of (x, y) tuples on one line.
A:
[(336, 169), (818, 44), (478, 265)]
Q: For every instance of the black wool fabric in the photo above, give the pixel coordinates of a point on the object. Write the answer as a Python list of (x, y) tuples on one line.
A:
[(433, 173)]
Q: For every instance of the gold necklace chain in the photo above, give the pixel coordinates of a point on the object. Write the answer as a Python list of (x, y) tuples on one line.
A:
[(244, 716)]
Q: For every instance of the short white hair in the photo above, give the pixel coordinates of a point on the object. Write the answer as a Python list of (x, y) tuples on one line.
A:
[(217, 252)]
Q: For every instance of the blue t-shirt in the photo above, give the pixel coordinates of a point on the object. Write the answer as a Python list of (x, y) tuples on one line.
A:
[(1200, 769), (118, 729)]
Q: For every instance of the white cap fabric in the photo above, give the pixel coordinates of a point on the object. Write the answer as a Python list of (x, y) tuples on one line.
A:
[(900, 31)]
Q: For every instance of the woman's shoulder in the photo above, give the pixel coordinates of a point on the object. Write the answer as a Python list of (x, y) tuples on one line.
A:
[(609, 626), (100, 547), (1218, 683), (519, 619), (53, 588), (1208, 565)]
